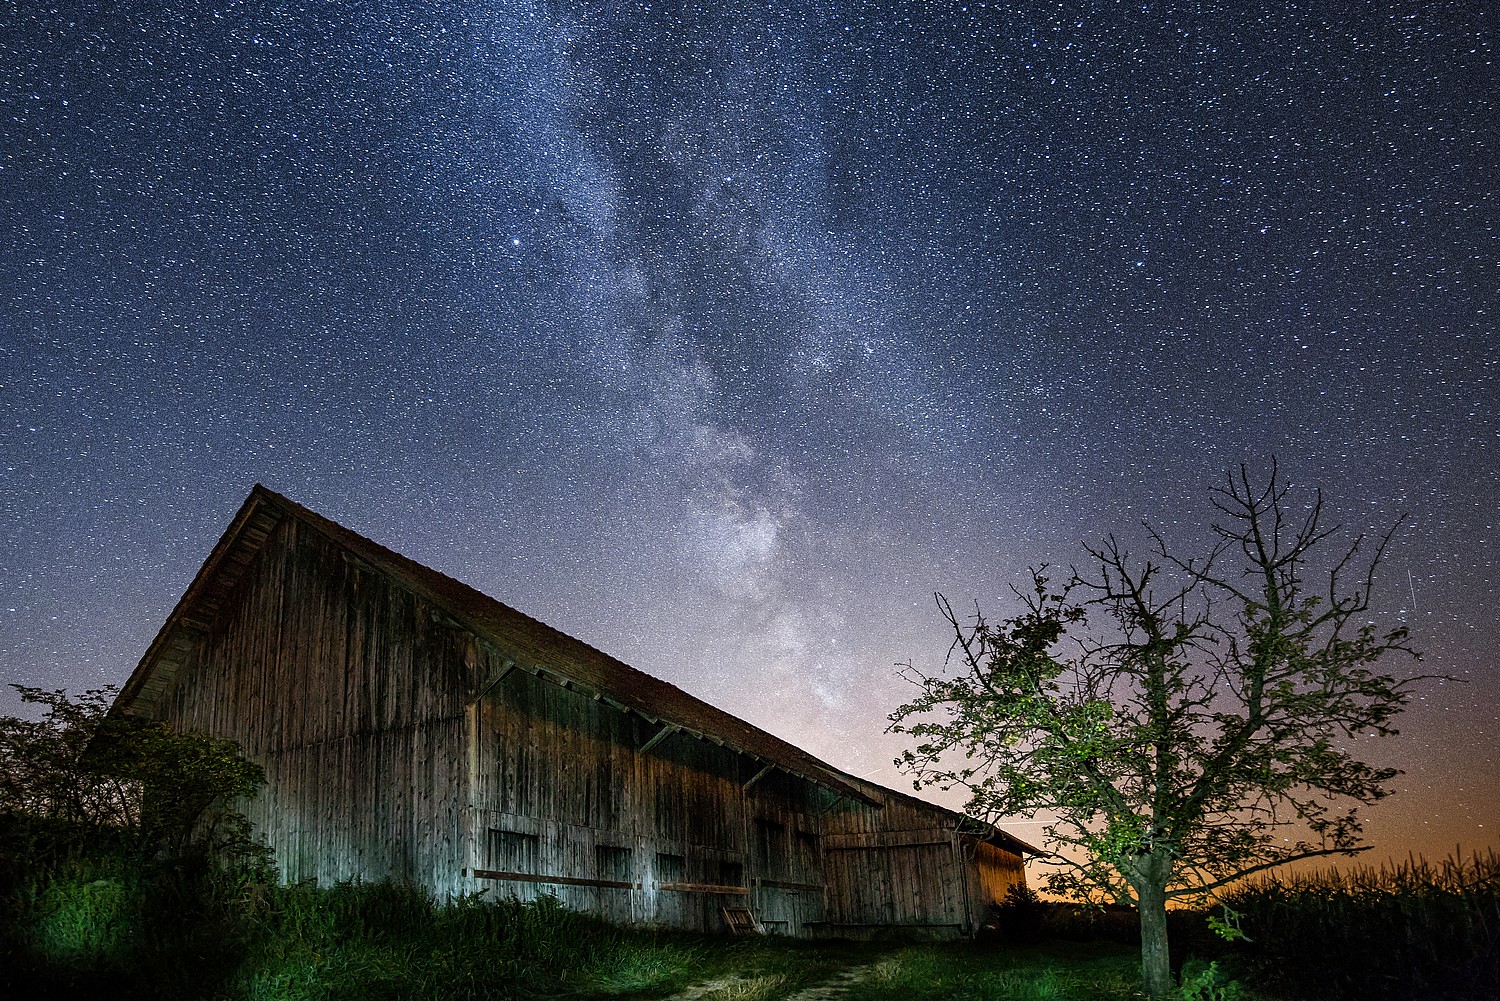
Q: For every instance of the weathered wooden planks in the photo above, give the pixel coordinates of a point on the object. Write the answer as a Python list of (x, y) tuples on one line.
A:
[(401, 743)]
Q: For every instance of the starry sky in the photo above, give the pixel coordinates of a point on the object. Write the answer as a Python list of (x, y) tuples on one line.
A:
[(720, 336)]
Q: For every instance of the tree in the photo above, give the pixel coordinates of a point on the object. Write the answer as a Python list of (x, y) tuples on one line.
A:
[(1186, 721), (141, 785), (43, 775)]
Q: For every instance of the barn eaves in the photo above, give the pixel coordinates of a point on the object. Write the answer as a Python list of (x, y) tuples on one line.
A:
[(525, 643)]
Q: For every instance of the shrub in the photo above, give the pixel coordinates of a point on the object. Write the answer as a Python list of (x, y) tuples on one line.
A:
[(1018, 918)]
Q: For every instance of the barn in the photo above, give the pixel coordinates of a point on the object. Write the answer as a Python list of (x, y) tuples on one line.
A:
[(413, 729)]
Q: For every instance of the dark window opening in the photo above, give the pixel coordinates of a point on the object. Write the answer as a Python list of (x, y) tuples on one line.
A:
[(670, 868), (731, 874), (512, 851), (613, 862)]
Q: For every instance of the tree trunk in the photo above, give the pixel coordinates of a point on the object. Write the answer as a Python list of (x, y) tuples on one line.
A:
[(1156, 966)]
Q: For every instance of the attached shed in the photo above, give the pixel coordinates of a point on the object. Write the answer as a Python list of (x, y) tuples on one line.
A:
[(413, 729)]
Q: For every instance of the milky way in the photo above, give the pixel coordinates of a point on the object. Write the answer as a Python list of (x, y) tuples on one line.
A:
[(721, 337)]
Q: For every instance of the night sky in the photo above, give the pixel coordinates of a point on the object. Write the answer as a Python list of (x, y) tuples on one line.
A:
[(721, 336)]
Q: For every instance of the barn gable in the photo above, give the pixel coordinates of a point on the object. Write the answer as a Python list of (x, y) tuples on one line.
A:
[(412, 728)]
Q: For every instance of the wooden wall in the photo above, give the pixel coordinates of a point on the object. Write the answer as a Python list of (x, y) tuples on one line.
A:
[(349, 692), (400, 745), (904, 865), (562, 788), (992, 872)]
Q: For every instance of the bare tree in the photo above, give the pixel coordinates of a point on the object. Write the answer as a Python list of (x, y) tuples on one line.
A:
[(1187, 721)]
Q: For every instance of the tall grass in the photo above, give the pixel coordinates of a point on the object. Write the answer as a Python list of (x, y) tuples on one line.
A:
[(392, 942), (103, 924), (1396, 931), (108, 927)]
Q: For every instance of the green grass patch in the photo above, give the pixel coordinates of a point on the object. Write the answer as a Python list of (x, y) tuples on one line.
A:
[(969, 972), (390, 943)]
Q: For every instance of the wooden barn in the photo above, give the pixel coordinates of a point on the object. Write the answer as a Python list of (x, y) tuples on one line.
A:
[(414, 729)]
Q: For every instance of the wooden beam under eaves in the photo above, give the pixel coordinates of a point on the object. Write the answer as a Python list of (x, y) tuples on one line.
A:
[(759, 775), (658, 737), (499, 676)]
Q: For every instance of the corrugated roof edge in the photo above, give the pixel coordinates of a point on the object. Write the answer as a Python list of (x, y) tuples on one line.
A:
[(485, 616)]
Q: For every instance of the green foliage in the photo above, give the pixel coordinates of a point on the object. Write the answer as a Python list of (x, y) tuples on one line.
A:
[(188, 783), (962, 972), (121, 853), (141, 787), (1228, 927), (1208, 983), (44, 769), (1188, 720), (1416, 929)]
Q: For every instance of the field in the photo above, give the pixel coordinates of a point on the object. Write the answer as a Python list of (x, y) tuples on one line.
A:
[(386, 942), (100, 928)]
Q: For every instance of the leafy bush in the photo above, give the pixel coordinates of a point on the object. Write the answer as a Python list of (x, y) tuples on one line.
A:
[(123, 861), (1206, 982), (140, 787)]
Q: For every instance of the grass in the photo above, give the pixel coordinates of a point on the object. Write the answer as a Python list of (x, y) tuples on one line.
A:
[(387, 942), (104, 928), (1054, 971), (100, 931)]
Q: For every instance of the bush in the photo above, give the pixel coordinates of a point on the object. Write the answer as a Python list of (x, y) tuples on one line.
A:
[(1018, 918), (123, 863)]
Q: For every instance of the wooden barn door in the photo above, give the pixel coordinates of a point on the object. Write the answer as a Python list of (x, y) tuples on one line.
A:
[(874, 884)]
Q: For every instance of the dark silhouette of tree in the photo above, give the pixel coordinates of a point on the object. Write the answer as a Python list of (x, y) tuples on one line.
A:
[(84, 775), (1186, 721)]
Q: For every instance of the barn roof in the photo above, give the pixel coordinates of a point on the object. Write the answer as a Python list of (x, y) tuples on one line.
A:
[(537, 646)]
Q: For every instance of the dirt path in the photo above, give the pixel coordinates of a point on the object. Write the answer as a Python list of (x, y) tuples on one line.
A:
[(832, 989)]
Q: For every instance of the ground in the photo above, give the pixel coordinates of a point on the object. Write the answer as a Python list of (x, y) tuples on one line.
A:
[(779, 970)]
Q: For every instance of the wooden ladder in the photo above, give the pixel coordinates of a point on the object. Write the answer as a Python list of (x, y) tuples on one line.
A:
[(741, 921)]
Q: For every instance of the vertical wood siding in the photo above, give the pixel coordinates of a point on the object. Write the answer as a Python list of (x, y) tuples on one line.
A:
[(350, 695), (569, 769), (399, 745), (992, 872)]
